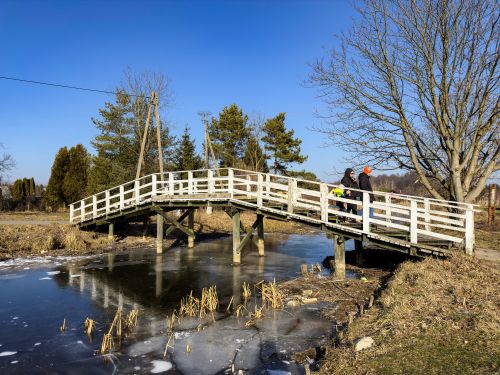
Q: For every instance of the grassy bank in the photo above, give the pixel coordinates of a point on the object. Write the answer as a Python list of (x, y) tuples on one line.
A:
[(434, 317)]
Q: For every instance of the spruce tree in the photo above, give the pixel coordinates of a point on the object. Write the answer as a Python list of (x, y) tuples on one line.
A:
[(283, 148), (229, 134), (54, 194), (185, 156), (75, 179)]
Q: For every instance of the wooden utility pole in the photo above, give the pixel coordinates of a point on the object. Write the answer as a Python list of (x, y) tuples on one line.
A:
[(154, 102)]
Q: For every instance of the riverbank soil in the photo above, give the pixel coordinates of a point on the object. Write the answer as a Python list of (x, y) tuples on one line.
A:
[(433, 317), (35, 234)]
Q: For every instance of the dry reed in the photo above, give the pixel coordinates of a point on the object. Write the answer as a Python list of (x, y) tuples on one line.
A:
[(89, 326), (247, 293), (271, 295), (62, 328)]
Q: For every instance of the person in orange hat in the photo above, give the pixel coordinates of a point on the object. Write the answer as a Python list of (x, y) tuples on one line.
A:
[(365, 184)]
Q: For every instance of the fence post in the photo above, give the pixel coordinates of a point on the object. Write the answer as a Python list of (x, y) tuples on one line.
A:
[(366, 212), (230, 182), (292, 187), (259, 189), (427, 208), (413, 222), (323, 202), (121, 197), (469, 230), (94, 206), (107, 202), (153, 186)]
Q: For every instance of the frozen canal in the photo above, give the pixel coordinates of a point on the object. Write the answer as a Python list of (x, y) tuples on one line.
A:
[(37, 295)]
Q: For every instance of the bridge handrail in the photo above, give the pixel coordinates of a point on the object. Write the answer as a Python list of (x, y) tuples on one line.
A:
[(422, 216)]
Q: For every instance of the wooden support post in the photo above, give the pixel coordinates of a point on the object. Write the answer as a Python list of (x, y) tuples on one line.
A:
[(145, 225), (159, 234), (191, 227), (366, 212), (427, 209), (230, 182), (154, 187), (260, 234), (94, 206), (71, 213), (268, 185), (210, 184), (171, 186), (339, 255), (259, 189), (358, 248), (159, 275), (292, 187), (323, 202), (236, 237), (111, 231)]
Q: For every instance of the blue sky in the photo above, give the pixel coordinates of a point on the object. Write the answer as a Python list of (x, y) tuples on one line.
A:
[(252, 53)]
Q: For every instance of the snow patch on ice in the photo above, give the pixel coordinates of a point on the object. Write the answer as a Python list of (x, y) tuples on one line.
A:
[(75, 275), (46, 278), (5, 354), (160, 366), (37, 343), (53, 272), (14, 362)]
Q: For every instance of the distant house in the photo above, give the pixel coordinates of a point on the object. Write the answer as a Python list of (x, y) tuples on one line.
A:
[(5, 192)]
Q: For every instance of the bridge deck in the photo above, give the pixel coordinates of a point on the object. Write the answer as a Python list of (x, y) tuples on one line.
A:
[(412, 224)]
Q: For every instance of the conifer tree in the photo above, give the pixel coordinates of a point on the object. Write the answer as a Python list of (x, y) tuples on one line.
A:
[(54, 194), (185, 157), (75, 179), (283, 148), (17, 190), (229, 134)]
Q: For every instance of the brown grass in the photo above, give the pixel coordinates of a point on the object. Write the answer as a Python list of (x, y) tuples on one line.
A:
[(434, 317)]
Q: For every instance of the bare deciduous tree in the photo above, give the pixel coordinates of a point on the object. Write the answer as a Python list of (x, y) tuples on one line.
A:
[(6, 163), (415, 85)]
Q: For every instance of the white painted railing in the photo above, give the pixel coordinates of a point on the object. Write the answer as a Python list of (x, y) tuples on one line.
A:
[(422, 218)]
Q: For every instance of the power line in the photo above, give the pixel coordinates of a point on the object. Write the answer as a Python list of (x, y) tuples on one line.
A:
[(70, 87)]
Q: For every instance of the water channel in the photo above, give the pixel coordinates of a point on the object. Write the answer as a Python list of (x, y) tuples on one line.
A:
[(38, 294)]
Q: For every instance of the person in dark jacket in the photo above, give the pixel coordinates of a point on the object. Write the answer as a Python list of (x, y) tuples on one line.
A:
[(349, 181), (365, 184)]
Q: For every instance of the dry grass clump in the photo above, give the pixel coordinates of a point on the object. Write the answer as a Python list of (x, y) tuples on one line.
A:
[(247, 293), (271, 295), (435, 316), (120, 324)]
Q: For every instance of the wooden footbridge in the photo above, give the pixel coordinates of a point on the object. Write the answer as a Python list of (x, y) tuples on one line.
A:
[(416, 225)]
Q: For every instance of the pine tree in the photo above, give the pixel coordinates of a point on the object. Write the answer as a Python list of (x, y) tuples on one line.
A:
[(32, 187), (17, 190), (54, 194), (185, 157), (75, 179), (283, 147), (229, 134)]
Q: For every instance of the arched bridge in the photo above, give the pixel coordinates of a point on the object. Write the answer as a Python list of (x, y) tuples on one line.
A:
[(416, 225)]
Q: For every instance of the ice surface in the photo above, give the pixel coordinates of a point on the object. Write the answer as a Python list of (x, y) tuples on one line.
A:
[(160, 366), (153, 344), (5, 354)]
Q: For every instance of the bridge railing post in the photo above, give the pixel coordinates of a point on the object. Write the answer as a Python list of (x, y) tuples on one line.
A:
[(210, 181), (366, 212), (469, 230), (292, 187), (71, 213), (413, 221), (82, 210), (154, 190), (107, 201), (259, 189), (94, 206), (170, 183), (323, 188), (230, 182), (190, 182), (388, 210), (136, 191), (121, 197), (268, 185), (427, 208)]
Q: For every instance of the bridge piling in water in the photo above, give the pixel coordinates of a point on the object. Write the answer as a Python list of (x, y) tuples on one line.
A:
[(159, 234), (260, 234), (191, 227), (111, 231), (235, 215), (339, 256)]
